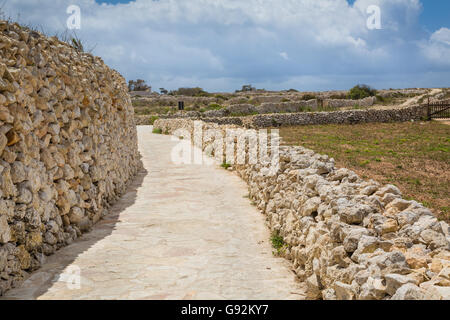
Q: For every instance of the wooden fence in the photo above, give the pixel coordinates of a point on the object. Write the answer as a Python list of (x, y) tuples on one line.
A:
[(438, 110)]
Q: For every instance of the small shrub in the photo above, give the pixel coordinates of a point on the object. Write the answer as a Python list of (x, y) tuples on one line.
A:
[(152, 119), (215, 106), (364, 163), (361, 91), (277, 243), (77, 44), (307, 97), (221, 97), (379, 98), (157, 131), (253, 102), (225, 165)]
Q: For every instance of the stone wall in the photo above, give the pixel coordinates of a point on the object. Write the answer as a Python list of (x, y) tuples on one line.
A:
[(336, 117), (68, 146), (347, 238), (406, 92), (345, 103), (414, 113)]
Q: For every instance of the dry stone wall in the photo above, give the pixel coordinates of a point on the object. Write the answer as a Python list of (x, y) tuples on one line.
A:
[(68, 146), (347, 238), (245, 109), (414, 113), (345, 103)]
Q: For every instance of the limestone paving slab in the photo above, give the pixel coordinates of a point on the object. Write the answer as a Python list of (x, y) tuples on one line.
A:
[(180, 232)]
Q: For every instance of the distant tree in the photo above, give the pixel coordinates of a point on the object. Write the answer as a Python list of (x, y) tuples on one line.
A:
[(361, 91), (163, 91), (138, 85)]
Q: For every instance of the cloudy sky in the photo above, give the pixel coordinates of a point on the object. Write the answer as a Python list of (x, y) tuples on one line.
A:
[(220, 45)]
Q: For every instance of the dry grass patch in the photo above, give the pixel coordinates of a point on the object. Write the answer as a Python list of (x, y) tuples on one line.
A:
[(413, 156)]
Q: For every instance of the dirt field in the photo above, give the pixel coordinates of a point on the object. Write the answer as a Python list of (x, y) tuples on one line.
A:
[(413, 156)]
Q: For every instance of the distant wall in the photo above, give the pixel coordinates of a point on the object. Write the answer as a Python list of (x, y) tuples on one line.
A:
[(345, 103), (246, 109), (307, 118), (337, 117)]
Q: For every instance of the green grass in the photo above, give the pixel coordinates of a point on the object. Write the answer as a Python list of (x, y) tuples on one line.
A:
[(152, 119), (277, 243), (157, 131), (413, 156), (211, 107), (225, 165)]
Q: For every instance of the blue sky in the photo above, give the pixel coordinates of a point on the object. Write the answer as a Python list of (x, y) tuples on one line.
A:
[(222, 44)]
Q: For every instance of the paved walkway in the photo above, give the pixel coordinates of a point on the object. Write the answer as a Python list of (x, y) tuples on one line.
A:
[(181, 232)]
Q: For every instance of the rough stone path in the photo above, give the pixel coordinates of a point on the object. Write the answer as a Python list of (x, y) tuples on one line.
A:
[(181, 232)]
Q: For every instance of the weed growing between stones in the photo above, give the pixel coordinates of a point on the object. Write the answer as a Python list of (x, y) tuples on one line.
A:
[(277, 243), (152, 120), (157, 131), (225, 165)]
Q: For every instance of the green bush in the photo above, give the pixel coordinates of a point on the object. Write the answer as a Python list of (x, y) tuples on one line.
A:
[(277, 240), (361, 91), (157, 131), (380, 98), (221, 97), (278, 243), (225, 165), (307, 97), (215, 106), (152, 119)]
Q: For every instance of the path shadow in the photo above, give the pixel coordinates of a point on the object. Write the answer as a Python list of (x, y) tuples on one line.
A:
[(50, 272)]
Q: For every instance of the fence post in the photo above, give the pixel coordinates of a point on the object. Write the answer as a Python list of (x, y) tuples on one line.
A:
[(428, 110)]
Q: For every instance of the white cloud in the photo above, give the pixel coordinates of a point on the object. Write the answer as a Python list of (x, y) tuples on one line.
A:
[(437, 49), (441, 36), (220, 44), (284, 55)]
